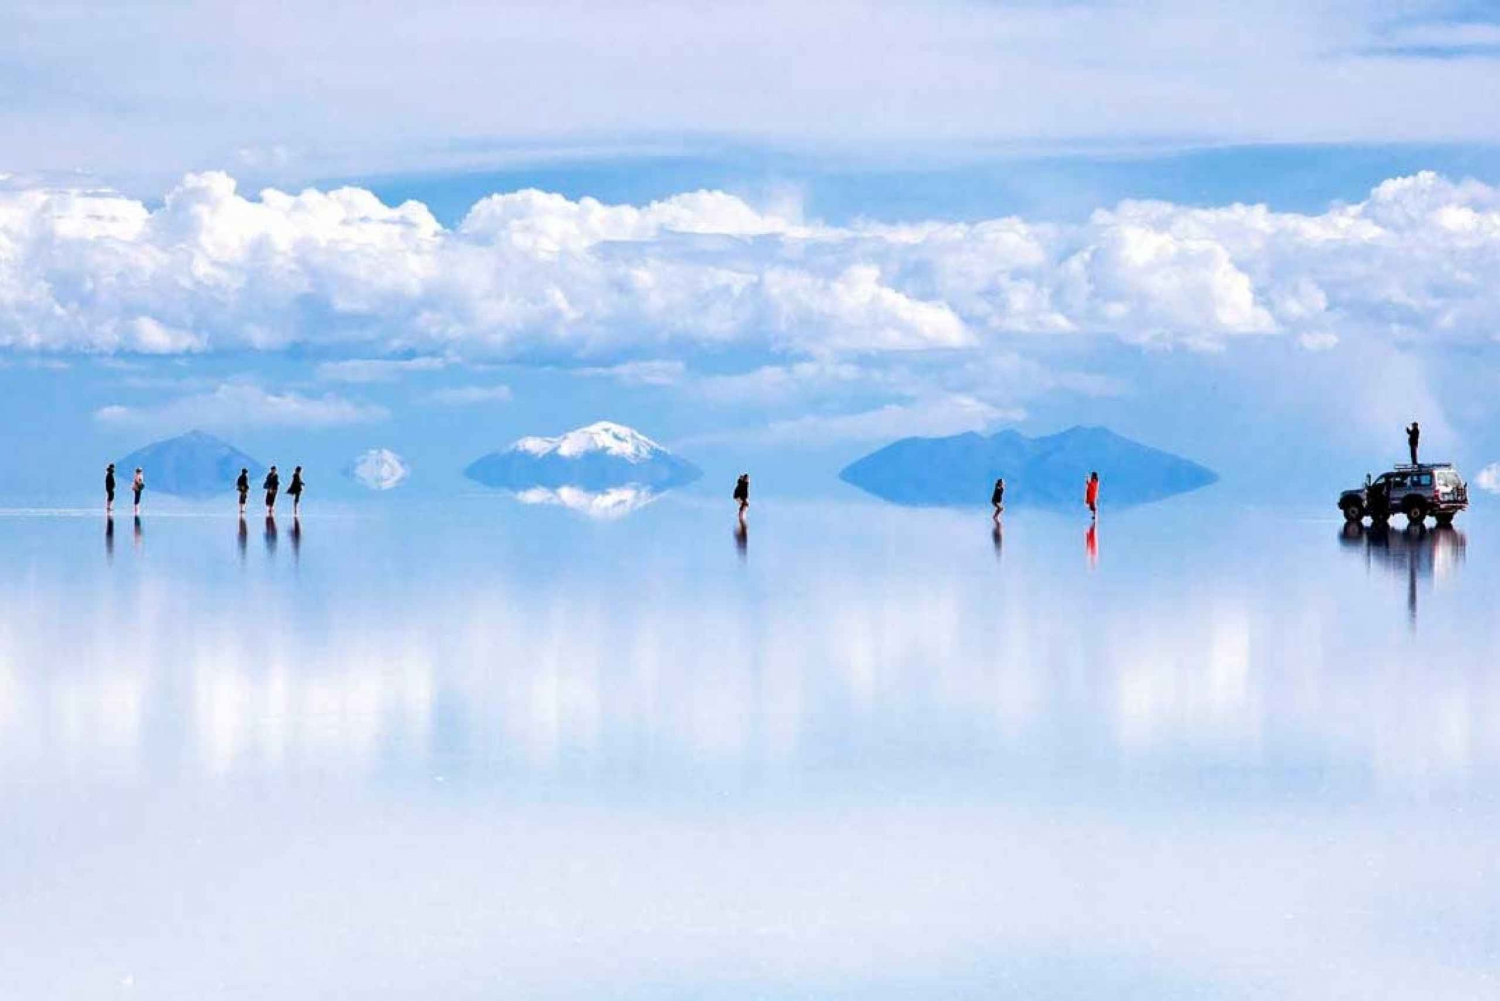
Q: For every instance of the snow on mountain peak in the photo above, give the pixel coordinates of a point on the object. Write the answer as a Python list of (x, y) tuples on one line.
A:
[(603, 436)]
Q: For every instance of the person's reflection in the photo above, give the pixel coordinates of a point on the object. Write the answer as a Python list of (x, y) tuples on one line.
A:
[(742, 539), (997, 535), (138, 537), (109, 539), (1091, 544), (296, 539), (243, 537), (270, 535)]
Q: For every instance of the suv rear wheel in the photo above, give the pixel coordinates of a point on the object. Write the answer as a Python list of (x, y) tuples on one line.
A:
[(1415, 511)]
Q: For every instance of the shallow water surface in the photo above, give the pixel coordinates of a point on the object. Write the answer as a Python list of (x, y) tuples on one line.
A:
[(485, 750)]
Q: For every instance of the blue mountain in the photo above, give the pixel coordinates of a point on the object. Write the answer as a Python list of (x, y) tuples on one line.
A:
[(195, 464), (1048, 471), (598, 457)]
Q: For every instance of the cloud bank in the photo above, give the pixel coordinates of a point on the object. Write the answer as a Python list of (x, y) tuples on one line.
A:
[(351, 87), (244, 404), (530, 274)]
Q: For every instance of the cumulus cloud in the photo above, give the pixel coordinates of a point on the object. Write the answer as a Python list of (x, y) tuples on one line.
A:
[(379, 469), (243, 404), (465, 396), (532, 273), (1488, 478)]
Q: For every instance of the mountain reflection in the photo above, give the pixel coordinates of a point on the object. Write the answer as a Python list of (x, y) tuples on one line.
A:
[(605, 505)]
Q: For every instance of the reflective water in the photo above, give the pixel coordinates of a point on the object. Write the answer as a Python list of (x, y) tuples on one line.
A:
[(490, 750)]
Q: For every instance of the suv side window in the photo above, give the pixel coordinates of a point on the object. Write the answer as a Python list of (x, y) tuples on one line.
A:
[(1397, 481), (1424, 480)]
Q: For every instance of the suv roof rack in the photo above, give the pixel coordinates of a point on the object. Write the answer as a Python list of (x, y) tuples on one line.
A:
[(1407, 466)]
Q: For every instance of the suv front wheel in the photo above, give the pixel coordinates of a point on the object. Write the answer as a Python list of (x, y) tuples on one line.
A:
[(1354, 512), (1415, 511)]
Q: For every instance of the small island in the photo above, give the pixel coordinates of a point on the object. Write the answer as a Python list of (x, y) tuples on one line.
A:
[(1048, 471), (194, 465)]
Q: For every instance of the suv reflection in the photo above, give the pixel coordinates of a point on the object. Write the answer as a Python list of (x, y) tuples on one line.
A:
[(1420, 553)]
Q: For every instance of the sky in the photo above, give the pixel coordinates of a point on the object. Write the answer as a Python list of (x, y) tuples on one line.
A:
[(771, 236)]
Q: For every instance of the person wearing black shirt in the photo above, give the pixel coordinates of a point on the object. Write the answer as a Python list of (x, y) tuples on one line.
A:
[(243, 486), (998, 498), (294, 490), (1413, 435), (109, 489), (272, 484), (742, 492)]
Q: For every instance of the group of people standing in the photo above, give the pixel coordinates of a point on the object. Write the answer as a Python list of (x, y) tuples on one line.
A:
[(272, 487), (1090, 496)]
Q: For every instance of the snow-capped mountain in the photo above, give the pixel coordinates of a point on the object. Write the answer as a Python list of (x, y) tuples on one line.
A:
[(603, 436), (599, 457)]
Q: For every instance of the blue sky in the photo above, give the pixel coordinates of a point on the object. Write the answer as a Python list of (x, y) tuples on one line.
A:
[(1263, 235)]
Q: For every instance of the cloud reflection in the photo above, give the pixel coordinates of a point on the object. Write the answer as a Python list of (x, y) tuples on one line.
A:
[(684, 676)]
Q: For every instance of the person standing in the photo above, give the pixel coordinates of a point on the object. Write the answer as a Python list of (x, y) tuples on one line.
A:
[(243, 486), (294, 491), (136, 486), (997, 498), (742, 493), (1413, 435), (1091, 494), (271, 485), (109, 489)]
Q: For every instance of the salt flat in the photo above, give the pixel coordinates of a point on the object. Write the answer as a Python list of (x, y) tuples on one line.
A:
[(476, 749)]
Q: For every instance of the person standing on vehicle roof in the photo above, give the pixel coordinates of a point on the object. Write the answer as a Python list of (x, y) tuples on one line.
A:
[(1413, 435)]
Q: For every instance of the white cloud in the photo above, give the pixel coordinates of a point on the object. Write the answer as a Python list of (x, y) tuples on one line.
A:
[(1318, 340), (464, 396), (1488, 478), (244, 404), (534, 274), (651, 372), (379, 469), (365, 370), (934, 417)]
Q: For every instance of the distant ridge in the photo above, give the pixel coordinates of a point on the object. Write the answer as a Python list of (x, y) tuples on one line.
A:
[(195, 464), (598, 457), (1047, 471)]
